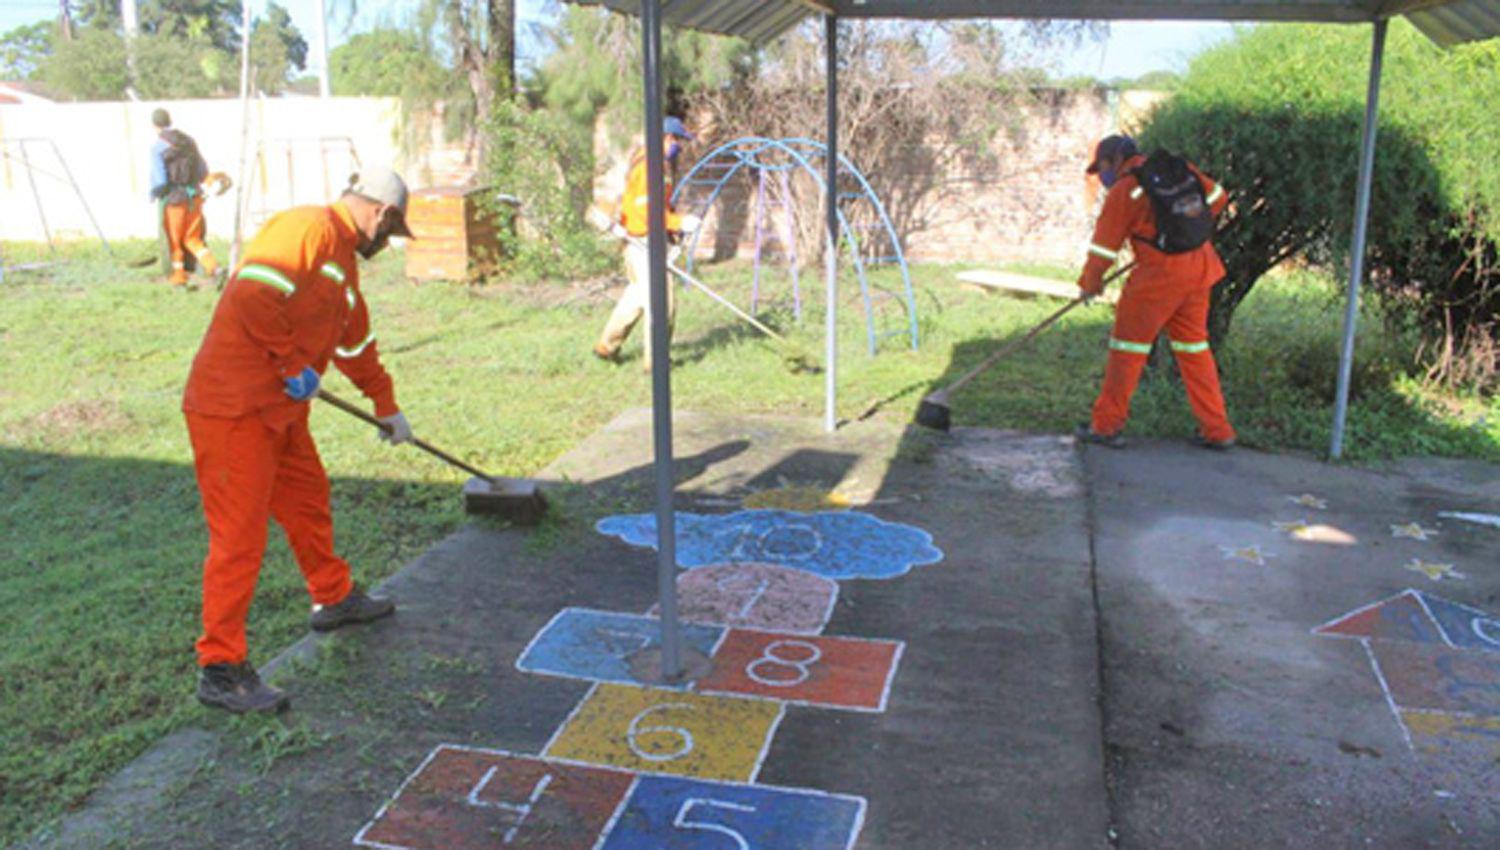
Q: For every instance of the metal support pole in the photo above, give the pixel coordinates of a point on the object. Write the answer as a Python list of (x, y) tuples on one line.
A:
[(661, 364), (41, 214), (241, 191), (831, 205), (78, 193), (1361, 233), (324, 73)]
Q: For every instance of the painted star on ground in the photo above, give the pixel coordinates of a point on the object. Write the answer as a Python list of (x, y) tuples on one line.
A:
[(1248, 554), (1308, 500), (1412, 530), (1298, 528), (1436, 572)]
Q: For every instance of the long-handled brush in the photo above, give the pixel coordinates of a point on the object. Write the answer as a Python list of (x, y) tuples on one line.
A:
[(515, 499), (934, 411)]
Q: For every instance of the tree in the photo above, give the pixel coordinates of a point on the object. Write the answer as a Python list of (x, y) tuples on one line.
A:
[(90, 67), (1275, 115), (481, 34), (215, 21), (386, 63), (23, 49), (276, 47)]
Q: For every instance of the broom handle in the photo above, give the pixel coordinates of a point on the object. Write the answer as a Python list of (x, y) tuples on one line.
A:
[(436, 452), (1031, 334)]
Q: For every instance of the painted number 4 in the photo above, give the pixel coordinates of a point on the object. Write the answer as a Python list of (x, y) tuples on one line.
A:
[(521, 810), (684, 819)]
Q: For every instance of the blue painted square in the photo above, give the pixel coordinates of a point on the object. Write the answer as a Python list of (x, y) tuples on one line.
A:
[(666, 813), (598, 645), (1466, 628)]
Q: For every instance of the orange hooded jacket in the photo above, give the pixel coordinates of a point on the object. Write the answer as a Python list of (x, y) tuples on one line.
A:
[(294, 302)]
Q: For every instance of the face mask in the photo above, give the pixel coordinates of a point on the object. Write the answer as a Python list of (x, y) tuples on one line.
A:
[(374, 246), (673, 150), (1108, 177)]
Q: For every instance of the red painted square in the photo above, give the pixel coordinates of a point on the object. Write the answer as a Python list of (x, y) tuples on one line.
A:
[(463, 798), (820, 670), (1424, 676)]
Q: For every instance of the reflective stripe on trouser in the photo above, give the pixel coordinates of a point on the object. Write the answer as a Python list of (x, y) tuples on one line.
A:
[(1140, 316), (635, 301), (184, 226), (249, 473)]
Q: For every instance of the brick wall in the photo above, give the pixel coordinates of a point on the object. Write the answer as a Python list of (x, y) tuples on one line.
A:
[(1033, 204)]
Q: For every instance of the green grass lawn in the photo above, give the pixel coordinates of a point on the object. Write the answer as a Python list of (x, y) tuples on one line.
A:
[(101, 536)]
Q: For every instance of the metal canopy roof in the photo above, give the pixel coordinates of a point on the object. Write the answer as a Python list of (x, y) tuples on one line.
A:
[(1447, 22)]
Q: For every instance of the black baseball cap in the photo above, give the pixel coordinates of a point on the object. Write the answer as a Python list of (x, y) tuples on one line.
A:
[(1112, 146)]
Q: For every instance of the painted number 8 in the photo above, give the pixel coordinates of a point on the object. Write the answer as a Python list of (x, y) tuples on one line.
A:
[(684, 737), (795, 655)]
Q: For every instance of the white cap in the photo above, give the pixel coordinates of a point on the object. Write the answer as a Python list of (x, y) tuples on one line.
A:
[(382, 185)]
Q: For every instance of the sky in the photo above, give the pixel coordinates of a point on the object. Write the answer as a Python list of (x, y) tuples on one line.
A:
[(1133, 48)]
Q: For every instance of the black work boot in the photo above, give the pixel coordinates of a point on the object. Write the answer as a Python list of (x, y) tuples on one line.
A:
[(357, 607), (1203, 442), (1085, 434), (237, 688)]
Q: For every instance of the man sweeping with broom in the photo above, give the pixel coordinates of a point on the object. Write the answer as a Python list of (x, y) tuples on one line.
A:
[(292, 306), (1167, 208)]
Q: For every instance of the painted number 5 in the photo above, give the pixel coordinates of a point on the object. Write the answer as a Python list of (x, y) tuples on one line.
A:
[(684, 744), (682, 820), (798, 656)]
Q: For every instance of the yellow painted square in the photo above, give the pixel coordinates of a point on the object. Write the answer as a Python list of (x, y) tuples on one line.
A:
[(658, 731)]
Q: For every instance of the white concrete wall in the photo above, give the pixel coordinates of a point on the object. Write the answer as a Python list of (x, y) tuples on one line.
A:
[(107, 147)]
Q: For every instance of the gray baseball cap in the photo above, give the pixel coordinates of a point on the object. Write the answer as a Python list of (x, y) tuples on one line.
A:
[(382, 185)]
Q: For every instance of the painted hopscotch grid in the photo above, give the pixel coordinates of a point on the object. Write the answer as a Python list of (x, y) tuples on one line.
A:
[(491, 797), (468, 798), (677, 733), (1435, 662), (827, 671), (755, 596)]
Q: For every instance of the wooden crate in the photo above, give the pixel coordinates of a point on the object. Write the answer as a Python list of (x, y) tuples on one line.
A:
[(456, 237)]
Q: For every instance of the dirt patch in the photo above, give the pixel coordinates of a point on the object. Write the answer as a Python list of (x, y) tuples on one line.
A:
[(75, 418)]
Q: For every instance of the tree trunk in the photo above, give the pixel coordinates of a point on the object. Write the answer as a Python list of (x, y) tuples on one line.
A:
[(502, 46)]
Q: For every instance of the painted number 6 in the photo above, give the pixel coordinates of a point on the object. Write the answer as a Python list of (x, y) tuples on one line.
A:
[(805, 656), (684, 737)]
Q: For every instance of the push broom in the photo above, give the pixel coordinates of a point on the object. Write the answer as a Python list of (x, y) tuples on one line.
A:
[(516, 499), (934, 411)]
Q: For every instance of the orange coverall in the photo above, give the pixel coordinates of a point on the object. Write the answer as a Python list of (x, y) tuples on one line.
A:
[(1164, 290), (183, 224), (294, 302)]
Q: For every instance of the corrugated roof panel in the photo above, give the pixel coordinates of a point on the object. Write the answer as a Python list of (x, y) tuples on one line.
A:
[(1459, 22), (1447, 22)]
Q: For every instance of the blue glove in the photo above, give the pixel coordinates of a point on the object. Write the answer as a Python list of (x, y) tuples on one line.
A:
[(303, 385)]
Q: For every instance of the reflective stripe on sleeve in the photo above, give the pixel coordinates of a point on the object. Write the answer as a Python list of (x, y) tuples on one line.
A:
[(1101, 251), (350, 353), (1190, 347), (1215, 195), (349, 296), (1137, 192), (268, 276), (1130, 347), (333, 271)]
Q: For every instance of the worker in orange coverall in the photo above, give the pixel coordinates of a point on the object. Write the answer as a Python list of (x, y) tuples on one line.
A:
[(632, 227), (177, 175), (293, 305), (1169, 287)]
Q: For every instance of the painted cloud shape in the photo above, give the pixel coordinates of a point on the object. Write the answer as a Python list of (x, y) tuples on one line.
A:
[(839, 545)]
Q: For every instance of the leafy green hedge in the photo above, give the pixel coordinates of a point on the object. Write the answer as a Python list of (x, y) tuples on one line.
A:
[(1276, 115)]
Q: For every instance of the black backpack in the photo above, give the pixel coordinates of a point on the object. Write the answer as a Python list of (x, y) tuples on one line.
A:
[(1184, 220), (185, 167)]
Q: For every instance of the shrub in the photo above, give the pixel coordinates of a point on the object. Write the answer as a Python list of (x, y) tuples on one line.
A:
[(1276, 114)]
